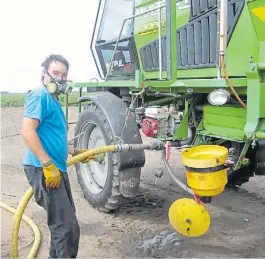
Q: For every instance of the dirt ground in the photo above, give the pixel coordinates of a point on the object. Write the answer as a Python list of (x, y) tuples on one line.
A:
[(141, 228)]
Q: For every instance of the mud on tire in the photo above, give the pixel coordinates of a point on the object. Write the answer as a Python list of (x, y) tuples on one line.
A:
[(101, 194)]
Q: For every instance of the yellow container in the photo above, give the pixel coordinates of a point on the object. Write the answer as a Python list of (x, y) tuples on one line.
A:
[(205, 171)]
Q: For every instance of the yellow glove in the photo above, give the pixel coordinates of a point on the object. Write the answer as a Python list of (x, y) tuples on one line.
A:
[(52, 175), (79, 151)]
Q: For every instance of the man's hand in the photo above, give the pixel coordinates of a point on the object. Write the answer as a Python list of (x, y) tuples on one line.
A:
[(80, 151), (229, 162), (52, 175)]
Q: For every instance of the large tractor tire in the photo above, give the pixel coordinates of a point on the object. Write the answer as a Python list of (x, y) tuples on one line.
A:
[(239, 177), (242, 175), (100, 181)]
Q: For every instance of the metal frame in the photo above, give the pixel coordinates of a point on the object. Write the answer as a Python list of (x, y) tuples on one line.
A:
[(119, 37), (249, 85), (99, 50), (226, 37), (171, 38)]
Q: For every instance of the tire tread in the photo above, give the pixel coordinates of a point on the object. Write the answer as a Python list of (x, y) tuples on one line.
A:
[(113, 202)]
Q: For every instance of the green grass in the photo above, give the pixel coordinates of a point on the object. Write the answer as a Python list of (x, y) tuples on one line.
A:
[(17, 100), (12, 100)]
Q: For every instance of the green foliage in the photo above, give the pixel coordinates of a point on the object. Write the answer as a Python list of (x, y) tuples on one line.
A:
[(72, 98), (12, 100), (17, 100)]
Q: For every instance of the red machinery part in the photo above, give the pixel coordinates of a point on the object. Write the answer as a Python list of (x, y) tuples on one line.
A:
[(168, 149), (150, 127)]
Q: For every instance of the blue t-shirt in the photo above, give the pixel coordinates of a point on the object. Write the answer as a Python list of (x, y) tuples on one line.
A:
[(52, 129)]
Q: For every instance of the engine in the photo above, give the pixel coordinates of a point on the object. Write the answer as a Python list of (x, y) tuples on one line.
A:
[(160, 121), (150, 127)]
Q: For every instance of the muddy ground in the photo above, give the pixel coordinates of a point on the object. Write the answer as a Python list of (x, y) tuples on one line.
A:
[(141, 228)]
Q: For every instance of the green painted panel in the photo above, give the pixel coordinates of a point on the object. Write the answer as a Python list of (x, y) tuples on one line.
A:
[(262, 53), (237, 55), (262, 100), (225, 110), (210, 83), (224, 121), (243, 45), (145, 27), (261, 126), (182, 131), (255, 102), (257, 11), (198, 73)]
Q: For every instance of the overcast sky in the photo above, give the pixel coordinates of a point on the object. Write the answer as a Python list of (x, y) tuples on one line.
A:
[(32, 29)]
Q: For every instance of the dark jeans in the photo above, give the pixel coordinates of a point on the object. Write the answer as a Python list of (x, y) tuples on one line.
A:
[(60, 208)]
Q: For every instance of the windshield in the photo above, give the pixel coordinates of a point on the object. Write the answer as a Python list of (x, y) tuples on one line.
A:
[(114, 13)]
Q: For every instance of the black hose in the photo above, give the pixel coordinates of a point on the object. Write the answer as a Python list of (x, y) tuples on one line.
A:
[(176, 180), (194, 116)]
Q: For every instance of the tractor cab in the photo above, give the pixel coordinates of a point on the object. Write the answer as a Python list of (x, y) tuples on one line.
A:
[(109, 20), (139, 43)]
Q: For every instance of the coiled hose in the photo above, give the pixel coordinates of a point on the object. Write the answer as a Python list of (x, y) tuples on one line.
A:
[(18, 213)]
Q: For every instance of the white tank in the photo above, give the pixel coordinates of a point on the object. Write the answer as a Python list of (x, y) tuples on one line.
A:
[(157, 112)]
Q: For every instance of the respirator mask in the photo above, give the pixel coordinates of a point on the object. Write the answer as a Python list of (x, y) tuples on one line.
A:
[(57, 85)]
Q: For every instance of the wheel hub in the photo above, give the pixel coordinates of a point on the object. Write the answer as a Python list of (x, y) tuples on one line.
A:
[(95, 173)]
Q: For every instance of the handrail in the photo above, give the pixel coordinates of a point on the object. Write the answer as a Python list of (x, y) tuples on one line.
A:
[(123, 23), (159, 44)]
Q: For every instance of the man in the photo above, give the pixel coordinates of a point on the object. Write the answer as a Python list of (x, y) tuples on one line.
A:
[(44, 130)]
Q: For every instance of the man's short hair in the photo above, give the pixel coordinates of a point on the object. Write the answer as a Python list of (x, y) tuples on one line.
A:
[(54, 58)]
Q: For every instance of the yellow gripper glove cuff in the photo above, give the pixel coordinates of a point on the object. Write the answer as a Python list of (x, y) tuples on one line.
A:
[(52, 175)]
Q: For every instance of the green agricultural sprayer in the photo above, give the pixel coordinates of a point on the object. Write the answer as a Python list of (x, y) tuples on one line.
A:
[(185, 73)]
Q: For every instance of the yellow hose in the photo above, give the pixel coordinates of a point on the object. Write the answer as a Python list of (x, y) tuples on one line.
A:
[(18, 213), (90, 153), (34, 227), (16, 223), (229, 83)]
